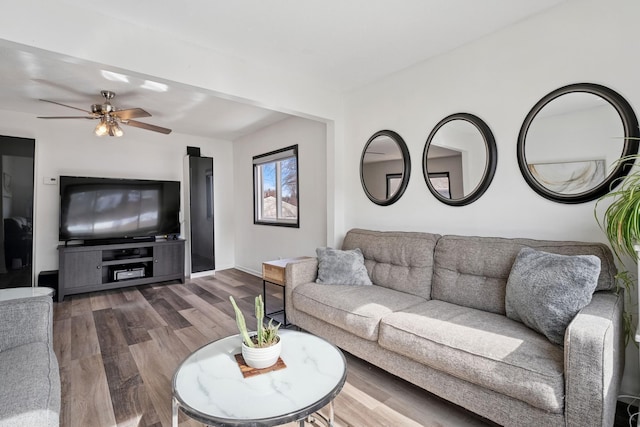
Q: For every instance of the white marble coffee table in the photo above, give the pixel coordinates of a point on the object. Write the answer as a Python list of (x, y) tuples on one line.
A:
[(209, 387)]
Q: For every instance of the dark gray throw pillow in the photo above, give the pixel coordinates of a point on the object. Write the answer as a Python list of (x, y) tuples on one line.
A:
[(336, 267), (545, 291)]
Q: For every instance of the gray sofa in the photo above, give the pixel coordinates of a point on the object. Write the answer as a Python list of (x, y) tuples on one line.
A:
[(435, 316), (30, 380)]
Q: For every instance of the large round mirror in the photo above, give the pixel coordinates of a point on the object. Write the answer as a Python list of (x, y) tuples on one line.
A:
[(571, 141), (385, 167), (459, 159)]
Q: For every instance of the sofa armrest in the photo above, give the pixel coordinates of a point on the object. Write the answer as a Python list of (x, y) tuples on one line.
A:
[(298, 272), (26, 320), (594, 361)]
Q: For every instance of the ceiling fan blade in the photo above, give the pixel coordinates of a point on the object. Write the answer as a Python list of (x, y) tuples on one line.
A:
[(147, 126), (68, 106), (68, 117), (131, 113)]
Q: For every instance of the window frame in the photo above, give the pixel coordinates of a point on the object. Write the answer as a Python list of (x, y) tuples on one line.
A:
[(276, 157), (436, 175)]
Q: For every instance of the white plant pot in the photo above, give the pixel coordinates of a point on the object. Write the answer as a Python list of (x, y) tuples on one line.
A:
[(261, 357)]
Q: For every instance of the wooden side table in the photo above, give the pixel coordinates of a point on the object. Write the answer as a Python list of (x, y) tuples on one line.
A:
[(274, 272)]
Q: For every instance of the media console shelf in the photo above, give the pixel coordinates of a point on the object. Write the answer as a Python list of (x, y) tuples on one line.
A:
[(97, 268)]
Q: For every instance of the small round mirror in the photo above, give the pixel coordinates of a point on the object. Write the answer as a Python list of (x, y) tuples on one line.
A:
[(385, 167), (459, 159), (571, 140)]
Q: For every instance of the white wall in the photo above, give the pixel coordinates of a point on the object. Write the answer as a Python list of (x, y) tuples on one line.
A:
[(498, 78), (71, 148), (79, 33), (258, 243)]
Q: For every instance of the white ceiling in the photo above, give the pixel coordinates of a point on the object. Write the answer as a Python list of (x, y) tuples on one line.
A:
[(341, 44)]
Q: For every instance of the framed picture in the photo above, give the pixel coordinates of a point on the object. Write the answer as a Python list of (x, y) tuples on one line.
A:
[(440, 182), (569, 177), (393, 183), (6, 185)]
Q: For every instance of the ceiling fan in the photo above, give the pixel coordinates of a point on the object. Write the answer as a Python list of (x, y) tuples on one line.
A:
[(110, 117)]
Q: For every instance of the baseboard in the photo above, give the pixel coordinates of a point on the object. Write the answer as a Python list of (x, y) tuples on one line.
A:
[(211, 272), (249, 271), (203, 274)]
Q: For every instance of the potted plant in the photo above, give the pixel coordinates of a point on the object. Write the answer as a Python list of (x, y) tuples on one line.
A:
[(262, 348), (621, 224)]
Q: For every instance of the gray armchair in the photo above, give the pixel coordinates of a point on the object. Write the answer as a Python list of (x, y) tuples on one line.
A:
[(30, 385)]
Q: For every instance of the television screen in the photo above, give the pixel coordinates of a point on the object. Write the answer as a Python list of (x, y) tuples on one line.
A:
[(106, 208)]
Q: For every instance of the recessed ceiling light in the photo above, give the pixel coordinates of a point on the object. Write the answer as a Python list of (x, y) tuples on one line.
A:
[(154, 86), (114, 77)]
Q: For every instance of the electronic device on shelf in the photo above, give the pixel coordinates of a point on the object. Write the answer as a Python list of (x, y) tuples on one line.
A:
[(124, 273), (110, 210)]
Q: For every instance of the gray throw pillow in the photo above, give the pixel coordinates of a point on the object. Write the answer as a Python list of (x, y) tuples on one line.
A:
[(545, 291), (336, 267)]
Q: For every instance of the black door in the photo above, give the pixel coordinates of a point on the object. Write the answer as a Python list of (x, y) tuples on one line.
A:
[(201, 213), (17, 211)]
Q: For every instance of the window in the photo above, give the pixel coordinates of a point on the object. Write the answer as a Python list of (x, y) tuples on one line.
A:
[(275, 188), (393, 183), (441, 184)]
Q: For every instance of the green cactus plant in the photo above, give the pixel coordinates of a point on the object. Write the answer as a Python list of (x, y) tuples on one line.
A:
[(259, 318), (265, 335)]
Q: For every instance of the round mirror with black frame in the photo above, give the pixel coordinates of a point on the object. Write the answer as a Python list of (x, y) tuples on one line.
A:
[(385, 167), (459, 159), (572, 140)]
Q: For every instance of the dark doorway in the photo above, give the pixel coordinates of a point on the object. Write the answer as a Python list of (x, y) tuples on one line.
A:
[(201, 213), (16, 172)]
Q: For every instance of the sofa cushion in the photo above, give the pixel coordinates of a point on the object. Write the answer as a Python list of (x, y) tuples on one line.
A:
[(25, 320), (336, 267), (485, 349), (473, 271), (545, 291), (30, 392), (402, 261), (356, 309)]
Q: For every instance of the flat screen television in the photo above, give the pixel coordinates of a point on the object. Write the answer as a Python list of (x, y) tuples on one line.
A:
[(108, 209)]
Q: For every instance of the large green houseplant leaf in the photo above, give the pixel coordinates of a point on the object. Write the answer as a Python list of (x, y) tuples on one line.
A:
[(621, 224)]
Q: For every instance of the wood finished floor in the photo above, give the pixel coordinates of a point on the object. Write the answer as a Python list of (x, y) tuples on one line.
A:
[(118, 351)]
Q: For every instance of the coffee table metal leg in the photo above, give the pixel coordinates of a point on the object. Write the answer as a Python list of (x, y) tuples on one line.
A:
[(331, 414), (311, 419), (174, 413)]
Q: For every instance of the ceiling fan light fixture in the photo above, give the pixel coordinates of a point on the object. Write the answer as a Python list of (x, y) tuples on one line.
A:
[(103, 128), (117, 130), (109, 126)]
